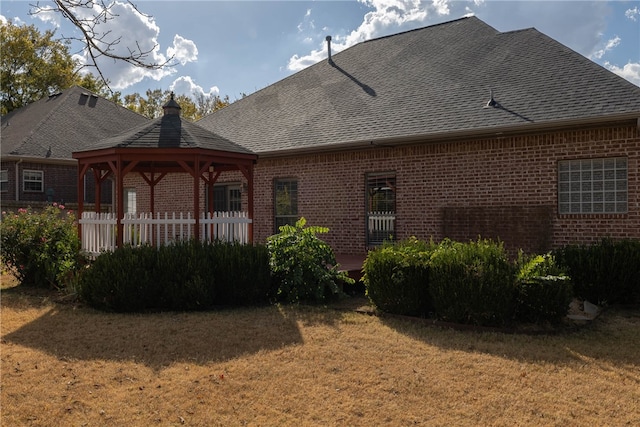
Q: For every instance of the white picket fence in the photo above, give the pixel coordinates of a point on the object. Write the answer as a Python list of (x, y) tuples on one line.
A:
[(99, 229), (381, 226)]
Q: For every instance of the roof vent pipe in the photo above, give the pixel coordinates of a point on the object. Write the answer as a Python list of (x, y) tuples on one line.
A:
[(328, 39)]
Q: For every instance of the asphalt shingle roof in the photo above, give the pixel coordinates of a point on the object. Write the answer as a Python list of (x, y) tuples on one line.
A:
[(169, 131), (428, 82), (55, 127)]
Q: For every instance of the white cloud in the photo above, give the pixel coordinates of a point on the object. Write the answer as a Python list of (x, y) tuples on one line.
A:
[(183, 50), (633, 13), (48, 14), (385, 17), (3, 20), (611, 44), (631, 71), (185, 85)]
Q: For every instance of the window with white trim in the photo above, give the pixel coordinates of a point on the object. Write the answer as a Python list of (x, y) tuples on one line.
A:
[(32, 181), (4, 181), (381, 207), (590, 186), (226, 198), (129, 200)]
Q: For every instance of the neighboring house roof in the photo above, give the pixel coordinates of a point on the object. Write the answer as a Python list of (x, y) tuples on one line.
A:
[(169, 131), (54, 127), (429, 83)]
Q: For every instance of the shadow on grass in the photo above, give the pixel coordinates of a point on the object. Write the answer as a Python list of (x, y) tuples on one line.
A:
[(613, 338), (158, 339)]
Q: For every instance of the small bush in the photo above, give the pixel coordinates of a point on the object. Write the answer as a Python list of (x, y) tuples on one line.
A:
[(544, 292), (304, 267), (182, 276), (604, 273), (472, 283), (396, 277), (40, 248)]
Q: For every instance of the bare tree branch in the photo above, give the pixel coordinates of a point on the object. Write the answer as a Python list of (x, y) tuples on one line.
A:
[(96, 42)]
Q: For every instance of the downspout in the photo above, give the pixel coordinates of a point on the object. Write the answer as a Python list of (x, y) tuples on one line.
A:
[(17, 181)]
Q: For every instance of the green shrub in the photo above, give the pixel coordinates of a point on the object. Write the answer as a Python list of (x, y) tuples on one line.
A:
[(304, 267), (186, 275), (604, 273), (40, 248), (544, 292), (472, 283), (396, 277)]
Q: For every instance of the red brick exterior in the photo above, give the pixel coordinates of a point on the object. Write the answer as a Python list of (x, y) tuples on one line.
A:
[(62, 179), (502, 187)]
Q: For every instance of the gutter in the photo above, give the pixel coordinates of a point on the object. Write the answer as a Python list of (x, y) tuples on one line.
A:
[(42, 160), (17, 180), (495, 132)]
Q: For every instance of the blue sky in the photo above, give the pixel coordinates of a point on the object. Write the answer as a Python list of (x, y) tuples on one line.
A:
[(235, 47)]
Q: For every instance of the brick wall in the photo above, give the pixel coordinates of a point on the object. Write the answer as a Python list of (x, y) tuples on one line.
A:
[(62, 179), (502, 188)]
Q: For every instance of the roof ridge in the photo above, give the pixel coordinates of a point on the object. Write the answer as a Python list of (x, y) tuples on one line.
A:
[(463, 18)]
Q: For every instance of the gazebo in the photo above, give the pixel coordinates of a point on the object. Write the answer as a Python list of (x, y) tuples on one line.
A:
[(166, 145)]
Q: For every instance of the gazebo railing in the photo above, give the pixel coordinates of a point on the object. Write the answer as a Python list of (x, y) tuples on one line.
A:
[(99, 230)]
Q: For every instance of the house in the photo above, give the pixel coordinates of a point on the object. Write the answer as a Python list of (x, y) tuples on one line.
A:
[(38, 139), (454, 130)]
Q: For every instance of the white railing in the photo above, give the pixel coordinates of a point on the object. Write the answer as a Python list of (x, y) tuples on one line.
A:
[(99, 229), (381, 226)]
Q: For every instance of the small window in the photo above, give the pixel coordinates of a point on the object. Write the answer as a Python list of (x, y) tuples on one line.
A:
[(226, 198), (285, 202), (4, 181), (592, 186), (129, 200), (33, 181), (381, 207)]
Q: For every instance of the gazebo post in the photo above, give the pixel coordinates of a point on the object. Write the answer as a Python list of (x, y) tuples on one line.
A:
[(83, 170), (119, 198), (196, 195)]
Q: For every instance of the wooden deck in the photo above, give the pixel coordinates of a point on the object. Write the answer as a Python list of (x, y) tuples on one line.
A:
[(352, 264)]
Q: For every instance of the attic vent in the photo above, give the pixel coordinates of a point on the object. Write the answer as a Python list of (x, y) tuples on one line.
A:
[(328, 39), (492, 102)]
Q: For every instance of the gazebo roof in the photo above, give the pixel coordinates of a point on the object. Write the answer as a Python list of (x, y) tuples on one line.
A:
[(169, 131)]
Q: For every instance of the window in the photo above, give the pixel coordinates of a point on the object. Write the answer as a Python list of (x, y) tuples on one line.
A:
[(226, 198), (4, 181), (285, 202), (129, 200), (33, 181), (592, 186), (381, 207)]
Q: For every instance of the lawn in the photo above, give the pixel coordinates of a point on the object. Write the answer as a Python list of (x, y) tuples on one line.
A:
[(65, 364)]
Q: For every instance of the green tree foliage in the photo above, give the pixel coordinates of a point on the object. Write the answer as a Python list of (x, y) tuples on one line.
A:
[(192, 108), (32, 65)]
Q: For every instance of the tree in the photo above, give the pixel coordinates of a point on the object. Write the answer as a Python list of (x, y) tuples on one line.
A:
[(88, 16), (193, 110), (32, 65)]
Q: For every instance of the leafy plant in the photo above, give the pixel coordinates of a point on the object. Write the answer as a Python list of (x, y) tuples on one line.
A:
[(304, 267), (396, 276), (544, 292), (604, 273), (472, 283), (41, 248), (183, 276)]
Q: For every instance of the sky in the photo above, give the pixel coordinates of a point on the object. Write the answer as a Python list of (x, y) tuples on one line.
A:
[(231, 48)]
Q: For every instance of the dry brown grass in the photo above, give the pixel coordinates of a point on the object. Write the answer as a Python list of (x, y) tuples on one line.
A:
[(69, 365)]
